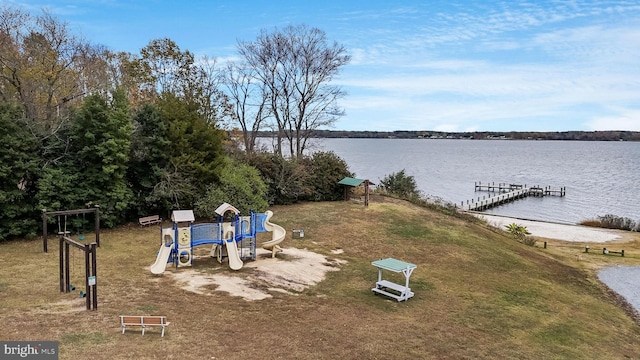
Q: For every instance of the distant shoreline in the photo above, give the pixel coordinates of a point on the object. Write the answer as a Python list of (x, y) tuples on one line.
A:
[(475, 135)]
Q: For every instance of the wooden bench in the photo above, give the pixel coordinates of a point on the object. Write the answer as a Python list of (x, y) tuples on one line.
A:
[(143, 321), (148, 220)]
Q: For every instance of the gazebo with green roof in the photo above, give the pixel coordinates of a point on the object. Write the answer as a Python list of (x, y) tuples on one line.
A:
[(353, 182)]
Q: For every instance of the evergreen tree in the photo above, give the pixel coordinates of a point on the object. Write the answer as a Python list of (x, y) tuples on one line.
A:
[(196, 152), (18, 164), (148, 160), (100, 146), (57, 187)]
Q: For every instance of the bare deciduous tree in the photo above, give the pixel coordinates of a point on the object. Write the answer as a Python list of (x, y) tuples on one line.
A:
[(249, 101), (296, 65)]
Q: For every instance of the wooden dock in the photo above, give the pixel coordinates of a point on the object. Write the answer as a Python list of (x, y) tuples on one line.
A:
[(507, 193), (500, 187)]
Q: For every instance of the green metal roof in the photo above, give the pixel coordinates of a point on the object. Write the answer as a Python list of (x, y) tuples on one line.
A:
[(351, 181), (393, 264)]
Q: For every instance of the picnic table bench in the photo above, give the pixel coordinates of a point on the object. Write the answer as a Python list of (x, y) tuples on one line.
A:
[(388, 288), (143, 321), (148, 220)]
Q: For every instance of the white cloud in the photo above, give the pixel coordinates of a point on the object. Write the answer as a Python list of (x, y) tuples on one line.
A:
[(626, 119)]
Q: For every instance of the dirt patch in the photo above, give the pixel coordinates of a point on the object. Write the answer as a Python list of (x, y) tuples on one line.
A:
[(64, 306), (293, 271)]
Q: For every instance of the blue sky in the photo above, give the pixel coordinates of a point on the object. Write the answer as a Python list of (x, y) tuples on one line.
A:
[(451, 65)]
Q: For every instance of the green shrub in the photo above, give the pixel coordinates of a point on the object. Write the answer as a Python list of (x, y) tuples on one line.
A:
[(401, 185), (327, 169), (241, 186), (287, 180), (520, 233)]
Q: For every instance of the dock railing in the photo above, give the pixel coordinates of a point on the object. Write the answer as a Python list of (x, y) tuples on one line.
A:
[(508, 193)]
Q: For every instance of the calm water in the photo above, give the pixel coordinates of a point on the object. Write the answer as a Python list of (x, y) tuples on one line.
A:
[(600, 177)]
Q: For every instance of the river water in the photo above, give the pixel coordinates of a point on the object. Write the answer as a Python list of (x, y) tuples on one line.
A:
[(600, 177)]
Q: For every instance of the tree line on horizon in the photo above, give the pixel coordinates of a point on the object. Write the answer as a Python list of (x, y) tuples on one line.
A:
[(607, 135), (145, 133)]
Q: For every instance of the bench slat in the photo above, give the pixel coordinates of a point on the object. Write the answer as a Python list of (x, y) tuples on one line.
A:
[(390, 285)]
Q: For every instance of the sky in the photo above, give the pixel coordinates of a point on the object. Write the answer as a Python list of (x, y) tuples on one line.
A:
[(452, 66)]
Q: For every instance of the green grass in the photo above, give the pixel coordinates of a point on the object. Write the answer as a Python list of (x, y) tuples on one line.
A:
[(479, 294)]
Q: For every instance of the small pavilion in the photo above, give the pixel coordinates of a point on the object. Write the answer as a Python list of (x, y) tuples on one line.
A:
[(349, 182)]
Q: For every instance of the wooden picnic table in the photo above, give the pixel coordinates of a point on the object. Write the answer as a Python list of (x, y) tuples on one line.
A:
[(388, 288)]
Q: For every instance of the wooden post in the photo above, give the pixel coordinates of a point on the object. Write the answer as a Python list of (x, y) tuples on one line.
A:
[(87, 271), (94, 269), (61, 265), (44, 229), (366, 192), (97, 225), (66, 267)]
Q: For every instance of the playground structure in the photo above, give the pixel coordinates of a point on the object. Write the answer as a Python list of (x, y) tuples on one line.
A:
[(232, 237), (89, 250)]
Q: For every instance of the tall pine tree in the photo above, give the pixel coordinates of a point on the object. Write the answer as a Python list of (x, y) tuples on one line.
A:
[(18, 165), (92, 168), (196, 153), (101, 142), (148, 160)]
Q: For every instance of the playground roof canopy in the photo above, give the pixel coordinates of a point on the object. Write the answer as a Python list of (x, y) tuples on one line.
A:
[(226, 207), (182, 216), (353, 182)]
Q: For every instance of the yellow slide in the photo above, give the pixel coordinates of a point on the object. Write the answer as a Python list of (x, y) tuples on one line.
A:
[(161, 262), (278, 235)]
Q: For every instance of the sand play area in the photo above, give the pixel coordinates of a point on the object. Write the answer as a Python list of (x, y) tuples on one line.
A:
[(291, 271)]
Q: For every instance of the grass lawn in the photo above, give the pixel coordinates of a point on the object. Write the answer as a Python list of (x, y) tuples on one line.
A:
[(478, 295)]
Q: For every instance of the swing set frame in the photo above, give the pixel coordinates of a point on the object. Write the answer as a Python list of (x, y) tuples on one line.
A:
[(90, 269), (45, 215), (89, 250)]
